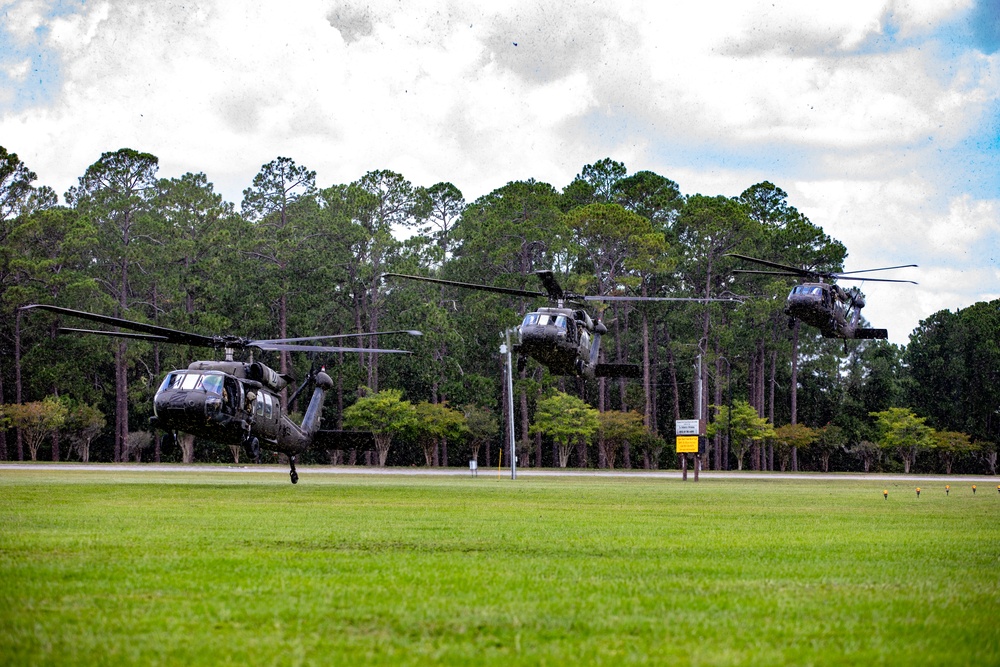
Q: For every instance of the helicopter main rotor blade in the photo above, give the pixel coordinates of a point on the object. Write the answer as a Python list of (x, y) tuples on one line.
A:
[(411, 332), (775, 265), (660, 298), (116, 334), (481, 288), (769, 273), (873, 280), (168, 335), (282, 347)]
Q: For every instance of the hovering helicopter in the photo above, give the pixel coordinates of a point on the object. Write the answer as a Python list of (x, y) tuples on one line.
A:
[(234, 402), (565, 340), (836, 312)]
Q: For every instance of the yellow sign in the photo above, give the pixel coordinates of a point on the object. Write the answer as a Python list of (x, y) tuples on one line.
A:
[(687, 444)]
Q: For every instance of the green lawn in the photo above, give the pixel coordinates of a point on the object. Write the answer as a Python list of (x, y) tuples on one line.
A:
[(222, 568)]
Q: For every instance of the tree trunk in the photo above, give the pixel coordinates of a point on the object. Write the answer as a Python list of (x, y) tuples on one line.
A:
[(186, 443)]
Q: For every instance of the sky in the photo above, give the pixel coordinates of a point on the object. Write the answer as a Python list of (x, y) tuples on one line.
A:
[(879, 118)]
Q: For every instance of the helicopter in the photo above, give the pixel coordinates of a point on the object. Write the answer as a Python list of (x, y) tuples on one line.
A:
[(836, 312), (566, 340), (234, 402)]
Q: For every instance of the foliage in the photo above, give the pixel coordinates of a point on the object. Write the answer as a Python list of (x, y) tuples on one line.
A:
[(435, 422), (37, 421), (829, 439), (903, 432), (83, 423), (865, 451), (565, 418), (482, 424), (385, 414), (299, 258), (951, 444), (789, 437), (744, 425), (618, 428)]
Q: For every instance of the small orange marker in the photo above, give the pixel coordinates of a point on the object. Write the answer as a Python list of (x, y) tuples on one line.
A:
[(973, 489), (918, 492), (885, 493), (947, 488)]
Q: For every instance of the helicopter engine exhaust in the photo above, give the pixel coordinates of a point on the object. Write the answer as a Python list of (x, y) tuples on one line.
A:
[(266, 376)]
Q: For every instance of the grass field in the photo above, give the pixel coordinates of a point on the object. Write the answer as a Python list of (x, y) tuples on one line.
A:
[(215, 568)]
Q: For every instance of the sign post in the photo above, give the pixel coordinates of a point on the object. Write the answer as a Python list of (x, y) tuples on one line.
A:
[(688, 432)]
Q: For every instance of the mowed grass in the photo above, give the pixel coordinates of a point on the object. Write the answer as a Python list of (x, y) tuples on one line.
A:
[(222, 568)]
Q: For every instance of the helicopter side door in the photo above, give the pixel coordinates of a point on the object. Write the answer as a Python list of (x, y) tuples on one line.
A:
[(267, 414)]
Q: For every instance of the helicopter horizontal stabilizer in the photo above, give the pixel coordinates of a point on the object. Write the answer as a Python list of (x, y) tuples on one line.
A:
[(330, 439), (618, 371), (870, 334)]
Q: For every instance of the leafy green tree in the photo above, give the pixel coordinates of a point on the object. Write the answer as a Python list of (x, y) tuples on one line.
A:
[(37, 420), (745, 425), (829, 439), (865, 451), (280, 240), (903, 432), (618, 428), (596, 183), (953, 362), (83, 423), (385, 414), (440, 207), (483, 427), (137, 442), (792, 437), (565, 419), (950, 445), (115, 194), (435, 422), (654, 197), (15, 193)]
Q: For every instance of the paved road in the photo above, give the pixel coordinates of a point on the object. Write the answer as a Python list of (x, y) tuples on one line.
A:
[(485, 472)]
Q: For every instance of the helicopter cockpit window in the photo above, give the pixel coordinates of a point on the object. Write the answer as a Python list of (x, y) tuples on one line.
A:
[(531, 319), (189, 381), (267, 406), (543, 320), (211, 384), (561, 321), (172, 381)]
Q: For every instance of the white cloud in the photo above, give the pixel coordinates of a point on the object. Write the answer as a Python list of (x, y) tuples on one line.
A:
[(717, 96)]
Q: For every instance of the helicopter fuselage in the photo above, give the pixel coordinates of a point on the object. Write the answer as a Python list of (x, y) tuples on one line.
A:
[(558, 338), (237, 404), (830, 309)]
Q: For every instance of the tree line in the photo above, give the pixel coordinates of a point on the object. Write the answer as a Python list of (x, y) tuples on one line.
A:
[(296, 258)]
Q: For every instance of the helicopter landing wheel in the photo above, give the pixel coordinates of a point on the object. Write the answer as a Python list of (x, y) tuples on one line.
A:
[(253, 448), (291, 473)]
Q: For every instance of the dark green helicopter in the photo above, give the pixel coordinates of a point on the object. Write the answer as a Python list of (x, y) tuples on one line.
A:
[(821, 303), (234, 402), (566, 340)]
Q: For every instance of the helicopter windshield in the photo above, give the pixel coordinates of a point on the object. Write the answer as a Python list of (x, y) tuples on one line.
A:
[(189, 381), (808, 289), (531, 319)]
